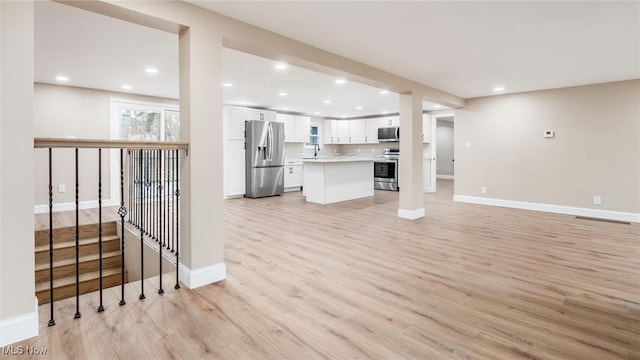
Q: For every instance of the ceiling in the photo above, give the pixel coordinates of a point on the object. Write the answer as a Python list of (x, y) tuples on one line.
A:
[(99, 52), (464, 48)]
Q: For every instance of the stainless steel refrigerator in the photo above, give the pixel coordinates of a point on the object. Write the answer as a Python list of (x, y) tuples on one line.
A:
[(264, 141)]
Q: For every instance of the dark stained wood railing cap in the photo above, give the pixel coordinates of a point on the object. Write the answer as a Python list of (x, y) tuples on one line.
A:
[(109, 144)]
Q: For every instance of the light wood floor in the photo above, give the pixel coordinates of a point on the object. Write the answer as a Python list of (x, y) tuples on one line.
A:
[(353, 281)]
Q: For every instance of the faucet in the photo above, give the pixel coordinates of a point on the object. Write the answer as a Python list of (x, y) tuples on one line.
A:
[(316, 150)]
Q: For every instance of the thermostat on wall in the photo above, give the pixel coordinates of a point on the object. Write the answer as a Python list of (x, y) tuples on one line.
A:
[(549, 134)]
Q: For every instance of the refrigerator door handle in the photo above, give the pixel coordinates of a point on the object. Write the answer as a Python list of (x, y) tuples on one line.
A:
[(270, 142)]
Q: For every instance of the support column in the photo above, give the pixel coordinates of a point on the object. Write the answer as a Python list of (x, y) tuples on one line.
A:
[(201, 212), (411, 205), (18, 306)]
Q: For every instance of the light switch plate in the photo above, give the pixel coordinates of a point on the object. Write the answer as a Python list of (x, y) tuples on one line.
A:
[(549, 134)]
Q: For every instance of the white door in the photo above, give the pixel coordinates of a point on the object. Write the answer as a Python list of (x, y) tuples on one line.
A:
[(426, 128)]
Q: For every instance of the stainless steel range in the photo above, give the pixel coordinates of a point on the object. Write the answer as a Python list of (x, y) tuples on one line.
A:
[(385, 170)]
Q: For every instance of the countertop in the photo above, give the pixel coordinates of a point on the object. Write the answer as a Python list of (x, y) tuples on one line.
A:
[(338, 159)]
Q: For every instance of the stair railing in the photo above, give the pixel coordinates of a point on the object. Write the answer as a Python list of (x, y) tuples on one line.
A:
[(152, 178)]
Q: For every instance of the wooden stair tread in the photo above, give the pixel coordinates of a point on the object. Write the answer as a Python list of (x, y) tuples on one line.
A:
[(70, 280), (67, 244), (81, 259), (68, 233)]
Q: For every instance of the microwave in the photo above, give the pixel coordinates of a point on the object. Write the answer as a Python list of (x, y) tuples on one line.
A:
[(391, 133)]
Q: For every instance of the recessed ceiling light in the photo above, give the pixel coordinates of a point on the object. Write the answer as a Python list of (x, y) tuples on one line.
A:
[(340, 81), (327, 101), (127, 87), (384, 92), (241, 102), (281, 66), (285, 108), (282, 93), (151, 70), (498, 89), (385, 112), (437, 106), (317, 112), (358, 107), (62, 78), (227, 84)]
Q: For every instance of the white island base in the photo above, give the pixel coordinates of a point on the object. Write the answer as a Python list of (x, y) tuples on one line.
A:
[(327, 181)]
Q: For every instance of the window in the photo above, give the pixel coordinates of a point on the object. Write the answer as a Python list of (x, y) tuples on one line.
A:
[(313, 137), (138, 121)]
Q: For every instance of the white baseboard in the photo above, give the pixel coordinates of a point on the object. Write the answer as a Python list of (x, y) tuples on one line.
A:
[(559, 209), (295, 188), (411, 214), (446, 177), (20, 327), (202, 276), (92, 204)]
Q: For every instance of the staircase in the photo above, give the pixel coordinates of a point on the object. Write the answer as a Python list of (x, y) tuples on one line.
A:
[(64, 261)]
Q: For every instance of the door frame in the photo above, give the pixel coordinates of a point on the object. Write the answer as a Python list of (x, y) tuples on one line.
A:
[(434, 144)]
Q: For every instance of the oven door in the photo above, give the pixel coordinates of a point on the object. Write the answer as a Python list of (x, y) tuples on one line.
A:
[(385, 174)]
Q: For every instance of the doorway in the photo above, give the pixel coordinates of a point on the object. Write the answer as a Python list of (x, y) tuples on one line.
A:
[(445, 168)]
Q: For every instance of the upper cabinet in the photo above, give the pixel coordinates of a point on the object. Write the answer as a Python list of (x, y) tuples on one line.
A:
[(263, 115), (357, 131), (426, 128), (330, 131), (303, 129), (296, 128), (351, 131), (371, 131), (343, 131), (390, 121)]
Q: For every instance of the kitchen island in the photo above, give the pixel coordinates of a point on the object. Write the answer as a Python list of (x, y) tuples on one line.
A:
[(330, 180)]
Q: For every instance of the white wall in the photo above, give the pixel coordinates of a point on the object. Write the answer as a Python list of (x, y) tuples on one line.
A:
[(18, 316), (596, 150), (444, 142), (63, 111)]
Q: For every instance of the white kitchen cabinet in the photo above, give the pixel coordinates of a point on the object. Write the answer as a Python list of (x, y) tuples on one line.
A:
[(303, 128), (390, 121), (371, 131), (289, 126), (234, 169), (296, 128), (292, 174), (357, 131), (426, 128), (233, 122), (343, 131), (263, 115), (330, 131)]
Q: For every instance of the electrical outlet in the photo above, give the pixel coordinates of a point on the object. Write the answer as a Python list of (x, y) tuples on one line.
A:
[(61, 188), (597, 200), (483, 190)]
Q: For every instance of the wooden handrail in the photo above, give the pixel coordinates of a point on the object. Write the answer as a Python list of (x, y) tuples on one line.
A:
[(108, 144)]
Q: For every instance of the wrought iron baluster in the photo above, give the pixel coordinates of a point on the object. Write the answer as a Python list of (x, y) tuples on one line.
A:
[(101, 307), (52, 322), (141, 297), (122, 212), (160, 290), (77, 315), (177, 229)]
